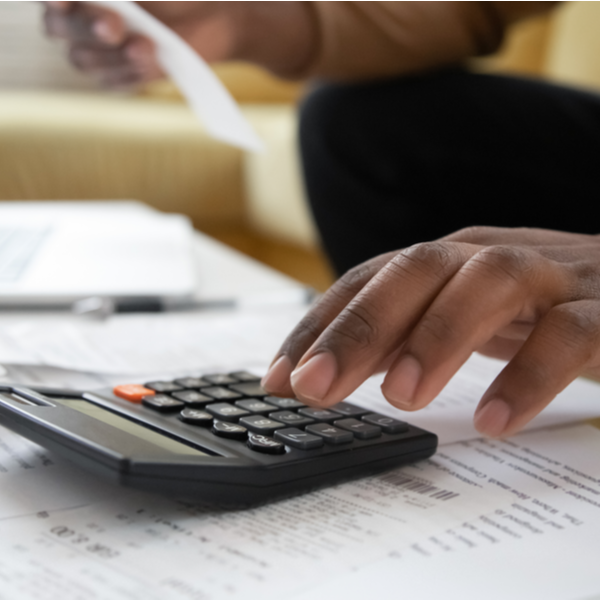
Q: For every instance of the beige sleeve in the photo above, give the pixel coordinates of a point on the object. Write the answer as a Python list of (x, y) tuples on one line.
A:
[(363, 40)]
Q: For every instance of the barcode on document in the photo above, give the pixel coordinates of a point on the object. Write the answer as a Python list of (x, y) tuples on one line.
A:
[(418, 485)]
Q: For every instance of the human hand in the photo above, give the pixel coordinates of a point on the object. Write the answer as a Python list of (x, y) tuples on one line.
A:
[(529, 296), (100, 45), (276, 35)]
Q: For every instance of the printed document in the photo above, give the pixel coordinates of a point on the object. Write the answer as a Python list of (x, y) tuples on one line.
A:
[(515, 519)]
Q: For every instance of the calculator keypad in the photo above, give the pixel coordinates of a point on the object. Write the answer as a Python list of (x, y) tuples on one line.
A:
[(162, 403), (235, 406), (330, 434), (221, 393), (193, 416), (261, 424), (163, 386), (264, 444), (226, 412), (231, 431), (192, 398), (192, 383)]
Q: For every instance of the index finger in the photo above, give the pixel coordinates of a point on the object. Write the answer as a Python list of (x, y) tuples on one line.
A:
[(84, 22), (277, 380)]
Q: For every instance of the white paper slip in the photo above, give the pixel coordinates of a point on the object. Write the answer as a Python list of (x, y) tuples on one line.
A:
[(450, 415), (205, 93), (154, 343)]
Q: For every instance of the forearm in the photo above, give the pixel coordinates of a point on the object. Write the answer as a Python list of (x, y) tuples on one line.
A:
[(362, 40)]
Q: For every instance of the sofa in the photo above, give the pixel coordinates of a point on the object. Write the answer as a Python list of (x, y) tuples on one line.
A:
[(61, 144)]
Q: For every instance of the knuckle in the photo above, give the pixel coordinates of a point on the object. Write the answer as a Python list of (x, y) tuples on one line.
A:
[(574, 325), (507, 261), (475, 234), (302, 337), (355, 278), (78, 56), (436, 257), (356, 326), (437, 329)]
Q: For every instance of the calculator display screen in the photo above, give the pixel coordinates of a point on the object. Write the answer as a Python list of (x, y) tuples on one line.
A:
[(148, 435)]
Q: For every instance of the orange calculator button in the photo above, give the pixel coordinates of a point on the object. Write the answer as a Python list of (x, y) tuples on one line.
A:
[(132, 392)]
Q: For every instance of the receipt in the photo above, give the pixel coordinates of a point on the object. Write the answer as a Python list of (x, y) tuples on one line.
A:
[(203, 91)]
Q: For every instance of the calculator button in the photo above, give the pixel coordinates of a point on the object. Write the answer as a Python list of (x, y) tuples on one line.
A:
[(283, 403), (251, 388), (221, 393), (219, 379), (132, 392), (193, 416), (230, 431), (362, 431), (162, 403), (260, 424), (226, 412), (319, 414), (388, 424), (348, 410), (244, 376), (192, 383), (264, 444), (163, 387), (330, 434), (192, 398), (296, 438), (291, 418), (255, 406)]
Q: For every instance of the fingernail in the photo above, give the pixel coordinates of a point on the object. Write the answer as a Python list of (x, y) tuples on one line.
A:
[(103, 31), (313, 380), (278, 375), (401, 382), (492, 418)]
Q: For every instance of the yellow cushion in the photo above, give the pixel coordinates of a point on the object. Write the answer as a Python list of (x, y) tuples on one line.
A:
[(78, 146)]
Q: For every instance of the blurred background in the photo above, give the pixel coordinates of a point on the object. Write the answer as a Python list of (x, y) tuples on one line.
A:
[(64, 138)]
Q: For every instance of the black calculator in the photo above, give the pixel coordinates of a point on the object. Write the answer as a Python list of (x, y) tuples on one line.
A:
[(217, 438)]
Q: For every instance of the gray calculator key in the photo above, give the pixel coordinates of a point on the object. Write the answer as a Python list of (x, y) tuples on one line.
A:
[(348, 410), (244, 376), (330, 434), (291, 418), (231, 431), (221, 393), (192, 383), (361, 430), (388, 424), (250, 388), (260, 424), (264, 444), (219, 379), (192, 398), (319, 414), (255, 406), (284, 403), (162, 403), (193, 416), (226, 412), (163, 386), (296, 438)]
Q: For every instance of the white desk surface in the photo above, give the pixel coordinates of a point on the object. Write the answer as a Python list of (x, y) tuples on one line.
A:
[(225, 273)]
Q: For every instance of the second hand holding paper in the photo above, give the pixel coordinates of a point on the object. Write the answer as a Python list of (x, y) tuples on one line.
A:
[(204, 92)]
